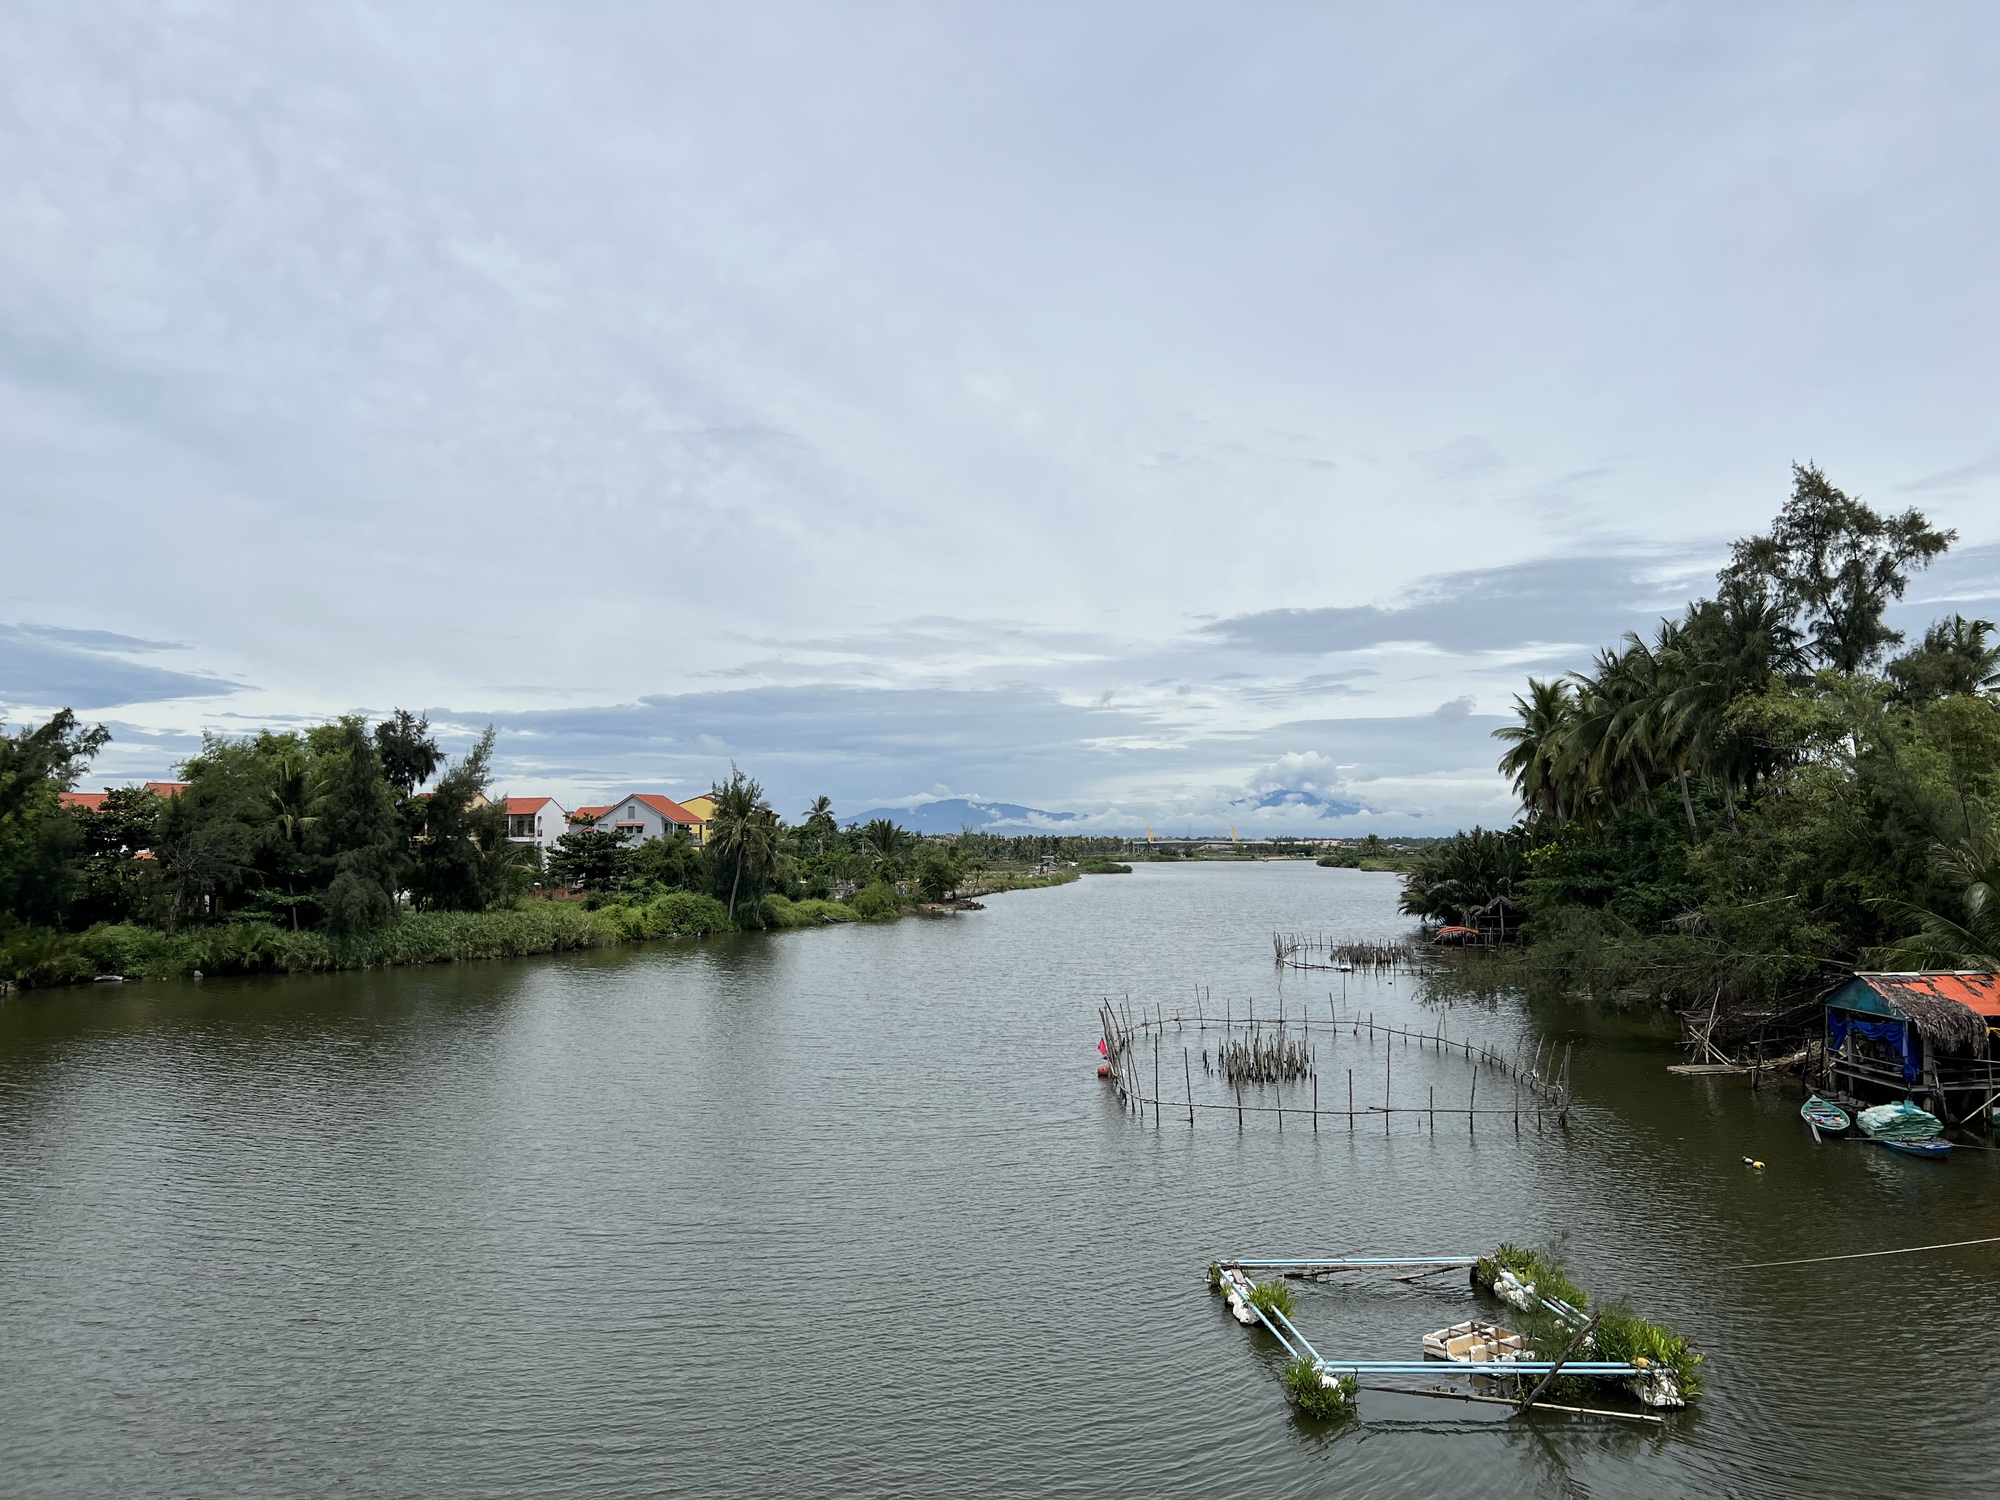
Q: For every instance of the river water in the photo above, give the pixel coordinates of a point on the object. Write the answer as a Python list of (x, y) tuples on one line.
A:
[(846, 1212)]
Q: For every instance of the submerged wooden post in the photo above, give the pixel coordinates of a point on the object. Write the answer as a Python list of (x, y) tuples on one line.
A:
[(1350, 1101), (1472, 1104), (1156, 1080), (1315, 1096), (1187, 1067), (1434, 1109), (1239, 1108)]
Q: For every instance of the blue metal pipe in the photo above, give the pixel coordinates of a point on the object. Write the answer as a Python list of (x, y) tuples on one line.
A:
[(1300, 1337), (1498, 1367), (1360, 1261)]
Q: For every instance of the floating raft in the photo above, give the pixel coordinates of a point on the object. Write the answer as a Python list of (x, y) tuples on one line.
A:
[(1474, 1349)]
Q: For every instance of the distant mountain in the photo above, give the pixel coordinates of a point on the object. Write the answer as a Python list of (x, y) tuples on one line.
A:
[(1325, 806), (952, 814)]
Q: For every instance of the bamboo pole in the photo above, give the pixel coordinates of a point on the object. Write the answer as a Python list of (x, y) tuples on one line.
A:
[(1187, 1066), (1574, 1345)]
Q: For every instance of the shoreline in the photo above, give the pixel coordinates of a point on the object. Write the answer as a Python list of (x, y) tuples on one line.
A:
[(125, 953)]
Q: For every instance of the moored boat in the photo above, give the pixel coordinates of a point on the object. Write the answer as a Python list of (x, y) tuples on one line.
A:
[(1477, 1343), (1935, 1150), (1828, 1119), (1904, 1127)]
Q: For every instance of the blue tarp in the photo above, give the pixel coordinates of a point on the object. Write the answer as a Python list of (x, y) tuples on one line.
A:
[(1895, 1033)]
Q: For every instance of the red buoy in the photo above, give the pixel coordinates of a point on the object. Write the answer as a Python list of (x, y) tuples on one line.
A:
[(1104, 1070)]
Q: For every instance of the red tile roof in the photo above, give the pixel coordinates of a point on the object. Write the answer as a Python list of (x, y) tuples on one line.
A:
[(92, 800), (166, 788), (667, 808), (521, 806), (1980, 992), (589, 814)]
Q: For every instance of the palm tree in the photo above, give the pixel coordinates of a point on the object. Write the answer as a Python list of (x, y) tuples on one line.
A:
[(821, 822), (887, 840), (1973, 940), (291, 794), (742, 831), (1539, 744)]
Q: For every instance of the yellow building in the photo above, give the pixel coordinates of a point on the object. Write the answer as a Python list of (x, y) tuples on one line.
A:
[(703, 807)]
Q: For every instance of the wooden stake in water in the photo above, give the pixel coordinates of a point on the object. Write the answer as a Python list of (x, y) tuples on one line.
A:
[(1187, 1067), (1350, 1101)]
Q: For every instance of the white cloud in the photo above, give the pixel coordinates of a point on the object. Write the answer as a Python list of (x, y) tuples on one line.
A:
[(1155, 398)]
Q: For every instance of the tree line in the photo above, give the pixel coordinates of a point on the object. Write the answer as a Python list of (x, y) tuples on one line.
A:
[(342, 828), (1765, 791), (325, 828)]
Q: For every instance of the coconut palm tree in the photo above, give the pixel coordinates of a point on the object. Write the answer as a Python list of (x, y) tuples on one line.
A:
[(742, 831), (1972, 939), (821, 823), (887, 840), (1538, 744)]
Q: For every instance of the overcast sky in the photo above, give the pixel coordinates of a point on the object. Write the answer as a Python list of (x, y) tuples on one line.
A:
[(1173, 413)]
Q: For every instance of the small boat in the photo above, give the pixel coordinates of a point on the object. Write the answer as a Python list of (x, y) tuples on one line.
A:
[(1904, 1127), (1477, 1343), (1826, 1119), (1935, 1150)]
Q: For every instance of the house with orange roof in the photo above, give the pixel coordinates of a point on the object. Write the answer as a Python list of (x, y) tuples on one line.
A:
[(1932, 1034), (94, 801), (536, 820), (640, 816)]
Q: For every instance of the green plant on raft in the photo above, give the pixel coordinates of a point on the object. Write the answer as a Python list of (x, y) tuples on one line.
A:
[(1546, 1270), (1310, 1393), (1622, 1335), (1271, 1296)]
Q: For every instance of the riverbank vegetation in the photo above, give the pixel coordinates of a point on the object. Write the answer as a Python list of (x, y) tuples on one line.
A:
[(1772, 789), (350, 845)]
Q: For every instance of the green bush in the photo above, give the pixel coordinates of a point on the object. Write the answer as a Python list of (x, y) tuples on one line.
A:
[(35, 956), (780, 912), (873, 902), (1622, 1335), (676, 914), (1104, 867), (1313, 1396), (1272, 1296), (1546, 1270)]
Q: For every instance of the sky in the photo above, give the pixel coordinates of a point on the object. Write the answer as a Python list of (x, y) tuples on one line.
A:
[(1188, 415)]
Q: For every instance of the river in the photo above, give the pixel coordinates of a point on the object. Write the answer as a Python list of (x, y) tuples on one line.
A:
[(846, 1212)]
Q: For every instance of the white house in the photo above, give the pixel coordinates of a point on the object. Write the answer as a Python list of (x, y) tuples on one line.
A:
[(536, 820), (645, 815)]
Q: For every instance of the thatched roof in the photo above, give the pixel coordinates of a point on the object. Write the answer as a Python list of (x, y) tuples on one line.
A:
[(1948, 1026)]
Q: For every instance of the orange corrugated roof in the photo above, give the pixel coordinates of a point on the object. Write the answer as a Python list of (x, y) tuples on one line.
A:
[(92, 800), (1979, 991)]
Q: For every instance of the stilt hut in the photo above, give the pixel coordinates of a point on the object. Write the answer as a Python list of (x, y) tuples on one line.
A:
[(1927, 1036), (1499, 919)]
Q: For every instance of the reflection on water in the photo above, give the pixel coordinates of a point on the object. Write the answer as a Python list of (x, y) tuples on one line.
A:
[(847, 1212)]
